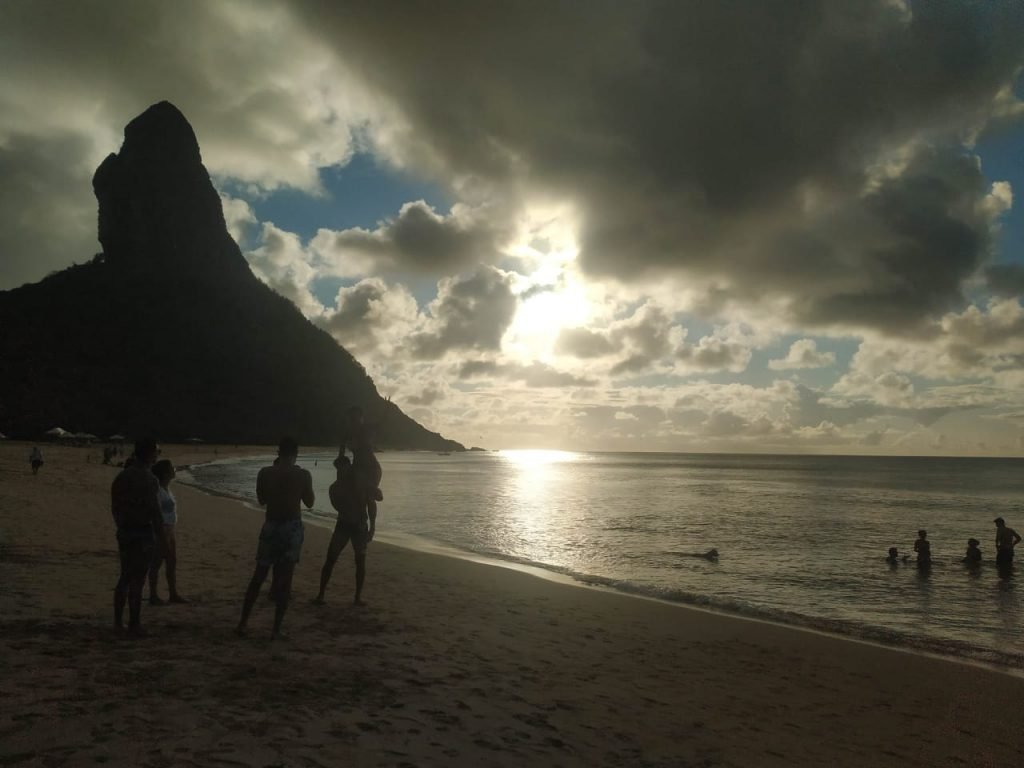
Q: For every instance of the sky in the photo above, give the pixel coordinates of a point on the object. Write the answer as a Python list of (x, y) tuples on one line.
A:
[(778, 226)]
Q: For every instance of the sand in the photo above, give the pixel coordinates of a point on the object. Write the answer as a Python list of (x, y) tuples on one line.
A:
[(452, 662)]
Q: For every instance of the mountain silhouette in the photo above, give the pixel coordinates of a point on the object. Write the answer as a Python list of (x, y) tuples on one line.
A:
[(167, 332)]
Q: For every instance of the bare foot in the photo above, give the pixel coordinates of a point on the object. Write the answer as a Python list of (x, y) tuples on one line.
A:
[(358, 603), (179, 600), (318, 600)]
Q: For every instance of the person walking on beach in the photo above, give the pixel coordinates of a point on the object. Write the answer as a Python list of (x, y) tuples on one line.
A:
[(1006, 540), (282, 488), (924, 550), (35, 460), (351, 526), (136, 509), (167, 547)]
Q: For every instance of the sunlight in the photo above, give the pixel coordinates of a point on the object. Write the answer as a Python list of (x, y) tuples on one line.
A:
[(528, 458), (543, 315)]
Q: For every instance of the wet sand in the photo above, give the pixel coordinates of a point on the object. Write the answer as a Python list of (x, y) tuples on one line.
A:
[(452, 662)]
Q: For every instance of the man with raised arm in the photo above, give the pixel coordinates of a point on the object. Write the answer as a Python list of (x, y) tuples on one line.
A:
[(350, 526), (282, 488)]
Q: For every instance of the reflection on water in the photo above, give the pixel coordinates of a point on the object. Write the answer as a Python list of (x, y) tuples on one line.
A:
[(804, 536)]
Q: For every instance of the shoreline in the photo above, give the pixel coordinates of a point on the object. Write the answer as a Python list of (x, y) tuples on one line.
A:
[(1004, 662), (452, 663)]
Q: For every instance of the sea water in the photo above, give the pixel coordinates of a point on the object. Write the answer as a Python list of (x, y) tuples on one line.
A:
[(802, 539)]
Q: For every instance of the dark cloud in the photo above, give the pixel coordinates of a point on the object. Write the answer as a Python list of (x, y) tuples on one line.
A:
[(471, 312), (420, 240), (735, 175), (370, 316), (47, 209), (583, 343), (427, 396)]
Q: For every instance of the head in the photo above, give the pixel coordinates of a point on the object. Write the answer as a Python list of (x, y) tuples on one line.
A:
[(146, 452), (287, 450), (164, 471), (1000, 523), (972, 543), (894, 552), (922, 534), (342, 464)]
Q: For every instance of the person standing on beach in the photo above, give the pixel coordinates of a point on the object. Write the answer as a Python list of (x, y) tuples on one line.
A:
[(1006, 540), (350, 526), (167, 547), (35, 460), (282, 488), (366, 468), (136, 510)]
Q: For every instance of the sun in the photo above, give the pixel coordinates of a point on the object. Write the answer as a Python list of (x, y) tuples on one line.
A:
[(547, 310)]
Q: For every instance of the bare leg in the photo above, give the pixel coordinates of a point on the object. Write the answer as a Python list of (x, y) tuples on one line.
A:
[(120, 598), (135, 584), (360, 578), (333, 550), (284, 591), (255, 583), (154, 572)]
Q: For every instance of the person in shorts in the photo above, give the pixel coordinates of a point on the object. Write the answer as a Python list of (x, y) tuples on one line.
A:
[(350, 526), (1006, 540), (166, 553), (136, 510), (282, 488)]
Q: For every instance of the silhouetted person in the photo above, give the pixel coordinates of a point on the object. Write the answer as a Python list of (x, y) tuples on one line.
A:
[(1006, 540), (35, 460), (167, 548), (350, 526), (894, 556), (136, 510), (282, 488), (368, 473), (924, 550), (972, 557)]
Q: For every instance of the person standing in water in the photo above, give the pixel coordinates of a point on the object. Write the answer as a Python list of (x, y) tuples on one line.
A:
[(351, 526), (924, 550), (972, 557), (283, 488), (1006, 540), (167, 549)]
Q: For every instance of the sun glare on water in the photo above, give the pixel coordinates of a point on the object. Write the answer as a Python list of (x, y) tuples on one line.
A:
[(538, 457)]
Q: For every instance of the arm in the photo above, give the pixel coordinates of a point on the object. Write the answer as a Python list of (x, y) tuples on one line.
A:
[(156, 518), (307, 489), (261, 493), (1016, 538)]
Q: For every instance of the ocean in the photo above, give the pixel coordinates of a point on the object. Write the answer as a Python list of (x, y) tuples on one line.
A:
[(802, 539)]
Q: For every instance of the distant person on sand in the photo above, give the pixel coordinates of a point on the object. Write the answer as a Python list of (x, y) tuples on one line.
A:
[(351, 526), (35, 460), (167, 548), (1006, 540), (924, 549), (136, 510), (972, 557), (283, 488), (368, 473)]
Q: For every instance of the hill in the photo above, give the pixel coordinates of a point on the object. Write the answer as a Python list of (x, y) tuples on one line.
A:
[(168, 332)]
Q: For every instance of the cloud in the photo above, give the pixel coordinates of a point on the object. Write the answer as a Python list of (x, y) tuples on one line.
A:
[(282, 263), (803, 353), (373, 319), (471, 312), (824, 170), (535, 374), (418, 240)]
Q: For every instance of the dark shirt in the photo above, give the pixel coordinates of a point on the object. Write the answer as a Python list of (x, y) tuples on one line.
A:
[(283, 488), (973, 555), (133, 499)]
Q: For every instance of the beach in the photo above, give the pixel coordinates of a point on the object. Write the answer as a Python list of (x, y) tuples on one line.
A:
[(451, 663)]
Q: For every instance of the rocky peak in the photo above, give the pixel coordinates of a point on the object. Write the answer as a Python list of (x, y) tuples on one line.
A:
[(157, 206)]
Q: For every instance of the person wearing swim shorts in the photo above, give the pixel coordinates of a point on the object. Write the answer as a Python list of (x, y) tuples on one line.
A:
[(136, 510), (350, 526), (282, 488), (1006, 540)]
